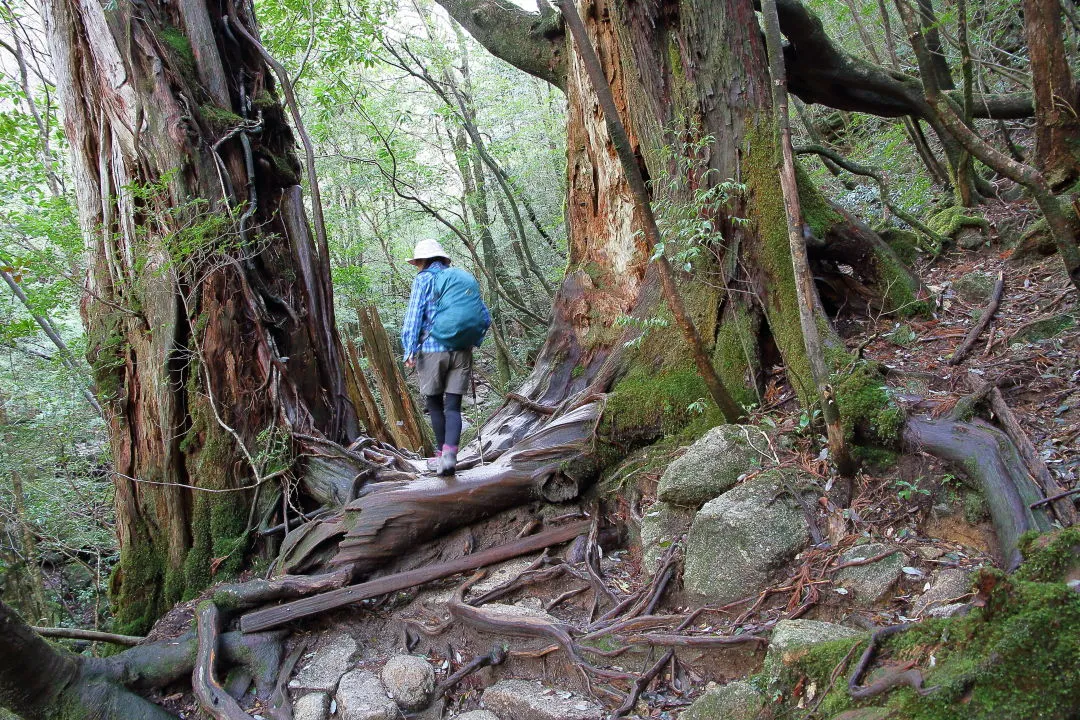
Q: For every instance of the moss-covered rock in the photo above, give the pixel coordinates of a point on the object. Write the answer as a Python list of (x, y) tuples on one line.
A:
[(662, 525), (792, 639), (952, 220), (974, 287), (735, 701), (904, 243), (1015, 655), (1046, 329), (713, 465), (870, 583), (738, 540)]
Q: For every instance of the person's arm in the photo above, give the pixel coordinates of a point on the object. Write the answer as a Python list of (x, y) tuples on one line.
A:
[(414, 316)]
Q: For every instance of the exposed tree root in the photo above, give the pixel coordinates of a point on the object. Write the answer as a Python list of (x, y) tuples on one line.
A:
[(212, 696), (989, 458)]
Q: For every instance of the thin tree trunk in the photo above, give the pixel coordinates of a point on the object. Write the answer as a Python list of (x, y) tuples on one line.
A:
[(839, 453)]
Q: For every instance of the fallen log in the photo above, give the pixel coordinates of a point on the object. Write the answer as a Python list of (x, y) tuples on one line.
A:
[(989, 458), (281, 614)]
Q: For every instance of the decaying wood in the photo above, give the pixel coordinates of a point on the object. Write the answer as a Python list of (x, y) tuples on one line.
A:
[(1063, 508), (279, 615), (385, 523), (91, 635), (984, 320), (240, 596), (989, 458), (403, 420), (360, 392), (212, 696)]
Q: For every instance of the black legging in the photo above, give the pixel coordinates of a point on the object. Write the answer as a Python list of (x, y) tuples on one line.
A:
[(445, 413)]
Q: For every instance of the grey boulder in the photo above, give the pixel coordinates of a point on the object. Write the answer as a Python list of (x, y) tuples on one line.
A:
[(791, 640), (662, 525), (525, 700), (713, 464), (738, 700), (738, 540), (872, 582)]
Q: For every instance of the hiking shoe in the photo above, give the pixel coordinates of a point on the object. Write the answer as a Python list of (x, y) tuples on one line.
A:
[(433, 463), (448, 462)]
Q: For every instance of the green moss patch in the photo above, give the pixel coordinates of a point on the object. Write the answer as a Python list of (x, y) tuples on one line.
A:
[(1017, 656), (952, 220), (867, 410)]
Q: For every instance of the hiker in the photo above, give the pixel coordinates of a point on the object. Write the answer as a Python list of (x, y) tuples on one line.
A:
[(445, 320)]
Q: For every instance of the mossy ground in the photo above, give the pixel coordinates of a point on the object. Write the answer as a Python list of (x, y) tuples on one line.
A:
[(952, 219), (1017, 656)]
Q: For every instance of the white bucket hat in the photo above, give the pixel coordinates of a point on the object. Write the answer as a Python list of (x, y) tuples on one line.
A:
[(427, 249)]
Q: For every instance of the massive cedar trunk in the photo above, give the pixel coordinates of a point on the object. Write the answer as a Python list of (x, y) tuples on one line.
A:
[(680, 73), (208, 305)]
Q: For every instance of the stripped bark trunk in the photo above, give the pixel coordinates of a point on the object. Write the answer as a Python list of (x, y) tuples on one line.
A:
[(403, 419), (1057, 97)]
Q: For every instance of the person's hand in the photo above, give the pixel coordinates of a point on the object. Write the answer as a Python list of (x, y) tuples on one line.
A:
[(410, 362)]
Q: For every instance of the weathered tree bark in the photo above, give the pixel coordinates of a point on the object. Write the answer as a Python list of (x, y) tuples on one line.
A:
[(675, 74), (1057, 124), (210, 323), (403, 419)]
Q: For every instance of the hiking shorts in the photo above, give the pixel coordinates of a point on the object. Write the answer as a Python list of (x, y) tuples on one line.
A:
[(444, 372)]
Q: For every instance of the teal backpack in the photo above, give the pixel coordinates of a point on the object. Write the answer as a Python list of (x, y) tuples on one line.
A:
[(459, 310)]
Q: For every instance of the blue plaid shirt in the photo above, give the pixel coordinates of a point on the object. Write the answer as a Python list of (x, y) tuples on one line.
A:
[(415, 339)]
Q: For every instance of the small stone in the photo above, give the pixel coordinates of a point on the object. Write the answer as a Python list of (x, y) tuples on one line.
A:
[(929, 552), (662, 525), (328, 665), (360, 696), (313, 706), (950, 585), (947, 611), (477, 715), (791, 639), (970, 238), (713, 464), (872, 582), (410, 680), (735, 701), (524, 700)]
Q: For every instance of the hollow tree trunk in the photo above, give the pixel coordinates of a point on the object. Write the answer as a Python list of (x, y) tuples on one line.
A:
[(209, 318)]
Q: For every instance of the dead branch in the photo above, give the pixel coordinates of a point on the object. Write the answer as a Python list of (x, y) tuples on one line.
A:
[(984, 320), (1064, 509), (641, 683), (91, 635), (275, 616), (280, 705), (212, 696), (495, 657), (912, 678)]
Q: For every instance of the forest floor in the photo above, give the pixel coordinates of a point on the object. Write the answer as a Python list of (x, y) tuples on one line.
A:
[(910, 501)]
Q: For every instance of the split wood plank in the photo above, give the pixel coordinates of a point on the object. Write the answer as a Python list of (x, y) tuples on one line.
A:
[(281, 614), (984, 320)]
